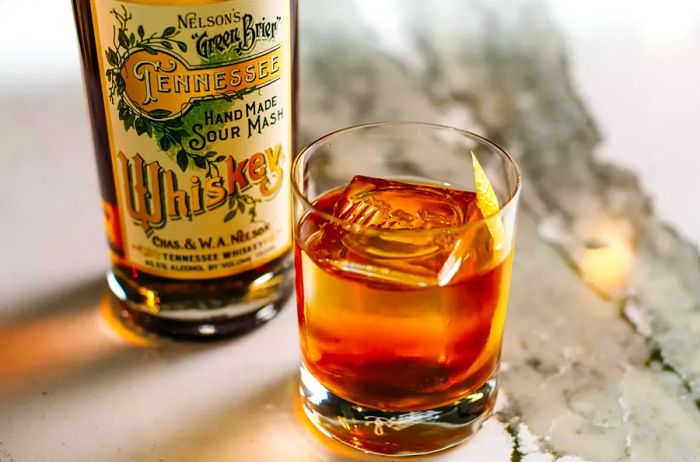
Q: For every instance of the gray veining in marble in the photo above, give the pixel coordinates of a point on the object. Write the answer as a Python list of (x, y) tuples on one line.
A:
[(602, 359)]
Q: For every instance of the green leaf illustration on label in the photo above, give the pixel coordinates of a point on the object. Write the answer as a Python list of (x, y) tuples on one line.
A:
[(170, 135)]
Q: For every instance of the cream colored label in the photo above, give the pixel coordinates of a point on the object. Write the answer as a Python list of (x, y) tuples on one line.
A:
[(198, 105)]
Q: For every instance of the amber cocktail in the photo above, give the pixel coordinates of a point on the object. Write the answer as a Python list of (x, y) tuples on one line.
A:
[(402, 284)]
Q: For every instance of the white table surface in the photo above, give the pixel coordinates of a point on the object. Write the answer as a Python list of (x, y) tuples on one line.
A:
[(75, 386)]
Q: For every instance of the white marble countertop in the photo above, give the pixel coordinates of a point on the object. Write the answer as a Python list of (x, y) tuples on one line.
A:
[(602, 347)]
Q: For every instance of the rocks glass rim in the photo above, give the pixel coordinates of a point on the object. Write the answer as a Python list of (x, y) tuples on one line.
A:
[(309, 150)]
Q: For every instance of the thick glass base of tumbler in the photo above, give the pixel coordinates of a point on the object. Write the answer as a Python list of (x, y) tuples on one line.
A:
[(202, 310), (402, 433)]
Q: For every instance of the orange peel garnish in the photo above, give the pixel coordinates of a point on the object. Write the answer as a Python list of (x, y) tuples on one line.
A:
[(487, 201)]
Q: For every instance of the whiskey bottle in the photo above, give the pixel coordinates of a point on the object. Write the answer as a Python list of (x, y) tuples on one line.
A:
[(192, 109)]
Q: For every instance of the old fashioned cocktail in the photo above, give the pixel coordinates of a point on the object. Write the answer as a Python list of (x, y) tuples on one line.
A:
[(402, 287)]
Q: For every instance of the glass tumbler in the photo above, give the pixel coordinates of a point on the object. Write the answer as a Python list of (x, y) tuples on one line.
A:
[(404, 237)]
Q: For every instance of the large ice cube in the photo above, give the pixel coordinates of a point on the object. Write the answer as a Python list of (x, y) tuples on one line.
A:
[(395, 205), (395, 249)]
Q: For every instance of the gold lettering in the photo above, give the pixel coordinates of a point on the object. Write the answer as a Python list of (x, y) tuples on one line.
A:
[(256, 167), (201, 82), (197, 196), (163, 81), (156, 79), (181, 83), (144, 74), (250, 73), (216, 194), (236, 78), (219, 81), (237, 180), (178, 203), (274, 157), (262, 71), (138, 195)]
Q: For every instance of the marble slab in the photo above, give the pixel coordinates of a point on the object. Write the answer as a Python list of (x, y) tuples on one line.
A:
[(602, 351)]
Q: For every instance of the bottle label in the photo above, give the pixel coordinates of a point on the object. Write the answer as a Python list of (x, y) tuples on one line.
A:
[(198, 106)]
